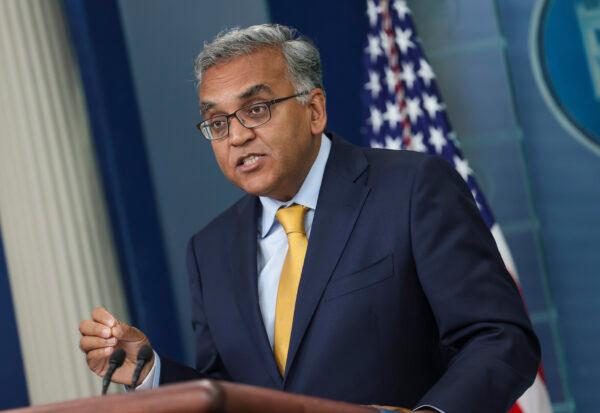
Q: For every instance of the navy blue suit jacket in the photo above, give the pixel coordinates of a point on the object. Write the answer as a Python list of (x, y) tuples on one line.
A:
[(404, 299)]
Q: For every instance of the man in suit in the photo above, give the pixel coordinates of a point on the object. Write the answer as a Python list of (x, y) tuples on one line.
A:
[(355, 274)]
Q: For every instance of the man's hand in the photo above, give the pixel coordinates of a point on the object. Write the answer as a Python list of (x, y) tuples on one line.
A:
[(101, 335)]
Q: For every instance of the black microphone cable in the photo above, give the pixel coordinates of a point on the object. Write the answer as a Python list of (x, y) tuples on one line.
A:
[(143, 357), (116, 360)]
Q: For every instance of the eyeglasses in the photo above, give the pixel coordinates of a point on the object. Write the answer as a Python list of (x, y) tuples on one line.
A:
[(250, 117)]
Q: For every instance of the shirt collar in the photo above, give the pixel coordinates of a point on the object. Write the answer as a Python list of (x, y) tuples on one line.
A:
[(307, 195)]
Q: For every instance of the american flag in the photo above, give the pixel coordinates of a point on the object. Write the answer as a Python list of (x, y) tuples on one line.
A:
[(404, 110)]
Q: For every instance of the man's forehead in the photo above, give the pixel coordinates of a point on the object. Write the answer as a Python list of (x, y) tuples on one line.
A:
[(262, 66), (234, 80)]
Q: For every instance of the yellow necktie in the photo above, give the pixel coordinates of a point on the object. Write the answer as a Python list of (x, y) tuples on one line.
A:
[(292, 221)]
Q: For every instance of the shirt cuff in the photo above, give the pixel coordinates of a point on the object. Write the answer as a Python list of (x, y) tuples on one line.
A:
[(428, 406), (152, 378)]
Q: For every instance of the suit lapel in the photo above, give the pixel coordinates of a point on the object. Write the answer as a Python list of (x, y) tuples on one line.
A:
[(339, 205), (245, 282)]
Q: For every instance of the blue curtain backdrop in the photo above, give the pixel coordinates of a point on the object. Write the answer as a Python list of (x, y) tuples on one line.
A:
[(13, 389), (339, 31)]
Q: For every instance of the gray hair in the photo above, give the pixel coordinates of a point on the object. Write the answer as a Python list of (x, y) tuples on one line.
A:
[(301, 55)]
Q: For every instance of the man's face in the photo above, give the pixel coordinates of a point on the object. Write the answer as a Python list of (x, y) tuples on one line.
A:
[(272, 159)]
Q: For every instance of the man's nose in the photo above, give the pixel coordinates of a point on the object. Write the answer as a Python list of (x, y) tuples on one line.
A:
[(238, 133)]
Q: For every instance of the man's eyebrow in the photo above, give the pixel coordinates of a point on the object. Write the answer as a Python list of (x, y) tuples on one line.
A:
[(205, 106), (248, 93), (254, 90)]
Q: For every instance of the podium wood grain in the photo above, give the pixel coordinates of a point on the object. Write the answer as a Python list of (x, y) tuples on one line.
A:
[(203, 396)]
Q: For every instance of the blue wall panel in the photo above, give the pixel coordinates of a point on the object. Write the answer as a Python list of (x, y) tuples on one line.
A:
[(564, 177)]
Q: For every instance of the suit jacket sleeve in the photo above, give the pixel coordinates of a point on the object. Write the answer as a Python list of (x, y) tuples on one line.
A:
[(208, 361), (482, 323)]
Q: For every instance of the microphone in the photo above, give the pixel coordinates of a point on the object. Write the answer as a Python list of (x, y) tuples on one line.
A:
[(116, 360), (144, 356)]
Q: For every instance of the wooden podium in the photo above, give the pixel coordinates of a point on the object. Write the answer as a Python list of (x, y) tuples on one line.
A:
[(203, 396)]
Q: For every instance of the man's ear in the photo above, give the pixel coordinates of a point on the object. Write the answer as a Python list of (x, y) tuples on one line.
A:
[(318, 111)]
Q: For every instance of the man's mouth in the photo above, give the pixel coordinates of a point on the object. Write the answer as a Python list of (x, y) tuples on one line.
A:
[(249, 159)]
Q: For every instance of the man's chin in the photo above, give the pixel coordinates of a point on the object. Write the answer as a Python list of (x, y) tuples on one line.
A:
[(255, 188), (262, 190), (263, 184)]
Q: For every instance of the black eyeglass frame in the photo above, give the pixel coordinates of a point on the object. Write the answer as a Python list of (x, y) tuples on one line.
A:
[(269, 103)]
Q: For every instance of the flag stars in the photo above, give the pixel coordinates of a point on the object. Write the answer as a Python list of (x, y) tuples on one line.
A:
[(376, 119), (416, 143), (376, 144), (391, 79), (462, 167), (393, 143), (386, 41), (432, 105), (425, 72), (392, 114), (436, 138), (373, 49), (401, 8), (372, 12), (408, 75), (403, 39), (374, 84), (413, 109)]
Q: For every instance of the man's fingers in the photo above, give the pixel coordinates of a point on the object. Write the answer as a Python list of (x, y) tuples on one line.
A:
[(99, 354), (125, 332), (102, 316), (90, 343), (92, 328), (96, 359)]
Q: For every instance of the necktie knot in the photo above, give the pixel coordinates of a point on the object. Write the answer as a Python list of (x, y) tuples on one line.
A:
[(292, 218)]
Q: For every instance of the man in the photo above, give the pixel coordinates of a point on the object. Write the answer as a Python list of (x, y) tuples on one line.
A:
[(355, 274)]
